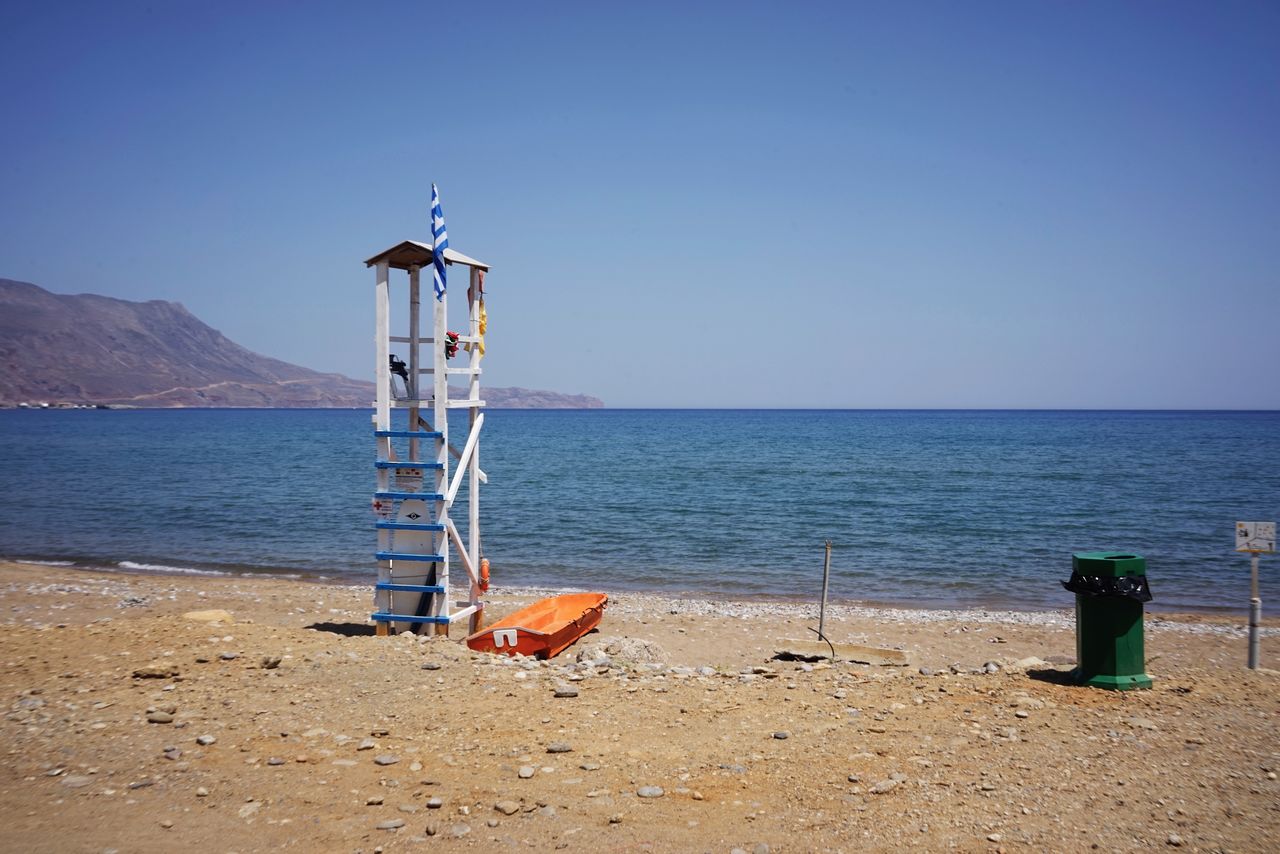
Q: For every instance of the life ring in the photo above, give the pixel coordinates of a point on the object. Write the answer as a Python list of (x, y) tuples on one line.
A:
[(484, 573)]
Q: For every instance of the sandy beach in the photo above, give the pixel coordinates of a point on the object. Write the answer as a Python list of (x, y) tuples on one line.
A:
[(136, 723)]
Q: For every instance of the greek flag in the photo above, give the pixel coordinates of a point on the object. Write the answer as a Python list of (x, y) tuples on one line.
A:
[(439, 242)]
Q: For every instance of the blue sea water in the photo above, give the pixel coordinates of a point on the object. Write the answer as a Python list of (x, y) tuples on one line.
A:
[(926, 508)]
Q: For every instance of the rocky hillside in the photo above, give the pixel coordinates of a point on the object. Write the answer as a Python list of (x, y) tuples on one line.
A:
[(84, 348)]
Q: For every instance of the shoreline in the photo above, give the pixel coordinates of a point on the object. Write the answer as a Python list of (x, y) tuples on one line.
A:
[(638, 602), (1207, 613)]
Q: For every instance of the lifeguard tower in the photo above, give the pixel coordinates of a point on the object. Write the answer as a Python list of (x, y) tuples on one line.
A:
[(416, 534)]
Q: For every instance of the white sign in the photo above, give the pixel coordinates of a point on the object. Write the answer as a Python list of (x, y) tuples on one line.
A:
[(408, 480), (1255, 536)]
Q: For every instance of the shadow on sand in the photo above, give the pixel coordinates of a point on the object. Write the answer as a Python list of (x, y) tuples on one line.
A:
[(1054, 676), (350, 630)]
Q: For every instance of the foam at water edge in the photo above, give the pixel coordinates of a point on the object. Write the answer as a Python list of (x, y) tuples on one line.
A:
[(154, 567)]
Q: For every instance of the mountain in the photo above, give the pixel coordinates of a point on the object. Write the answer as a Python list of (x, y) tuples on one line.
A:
[(85, 348)]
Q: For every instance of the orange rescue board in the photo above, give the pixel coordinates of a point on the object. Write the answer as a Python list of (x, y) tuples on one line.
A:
[(545, 628)]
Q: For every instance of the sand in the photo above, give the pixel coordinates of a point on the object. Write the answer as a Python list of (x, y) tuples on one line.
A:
[(286, 725)]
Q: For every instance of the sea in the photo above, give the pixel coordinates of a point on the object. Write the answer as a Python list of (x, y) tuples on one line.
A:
[(927, 509)]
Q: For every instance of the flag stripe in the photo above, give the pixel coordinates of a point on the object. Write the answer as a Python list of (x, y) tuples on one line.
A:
[(439, 242)]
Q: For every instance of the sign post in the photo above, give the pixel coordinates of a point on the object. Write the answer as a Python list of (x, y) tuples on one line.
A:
[(1255, 538)]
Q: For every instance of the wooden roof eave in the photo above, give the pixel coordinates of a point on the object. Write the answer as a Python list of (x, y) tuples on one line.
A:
[(411, 253)]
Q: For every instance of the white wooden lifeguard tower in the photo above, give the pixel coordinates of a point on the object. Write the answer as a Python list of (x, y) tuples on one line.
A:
[(413, 523)]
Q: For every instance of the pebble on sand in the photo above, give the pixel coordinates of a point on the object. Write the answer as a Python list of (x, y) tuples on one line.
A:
[(211, 616), (386, 759), (650, 792)]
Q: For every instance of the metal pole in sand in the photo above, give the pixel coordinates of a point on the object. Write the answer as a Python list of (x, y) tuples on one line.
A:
[(826, 576), (1255, 614)]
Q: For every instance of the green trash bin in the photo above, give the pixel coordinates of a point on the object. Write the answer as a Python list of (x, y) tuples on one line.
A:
[(1111, 589)]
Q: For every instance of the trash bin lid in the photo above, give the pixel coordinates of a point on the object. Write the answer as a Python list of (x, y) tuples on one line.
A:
[(1113, 564)]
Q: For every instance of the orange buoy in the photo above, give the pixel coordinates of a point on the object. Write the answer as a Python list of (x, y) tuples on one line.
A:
[(484, 573)]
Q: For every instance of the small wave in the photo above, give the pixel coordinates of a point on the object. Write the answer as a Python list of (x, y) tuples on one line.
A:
[(47, 562), (157, 567)]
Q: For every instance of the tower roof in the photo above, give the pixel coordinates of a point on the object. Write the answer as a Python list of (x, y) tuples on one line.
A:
[(410, 253)]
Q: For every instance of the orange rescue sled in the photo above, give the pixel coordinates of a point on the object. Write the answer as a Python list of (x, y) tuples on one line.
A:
[(545, 628)]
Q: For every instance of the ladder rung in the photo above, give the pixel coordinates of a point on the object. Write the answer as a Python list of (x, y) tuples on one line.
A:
[(464, 403), (408, 526), (408, 434), (409, 556), (381, 617), (409, 588), (410, 496), (406, 464)]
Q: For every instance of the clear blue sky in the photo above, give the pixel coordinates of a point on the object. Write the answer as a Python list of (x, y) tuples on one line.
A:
[(694, 204)]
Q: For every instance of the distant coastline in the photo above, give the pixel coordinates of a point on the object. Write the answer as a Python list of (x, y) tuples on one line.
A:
[(596, 403), (496, 398), (85, 351)]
